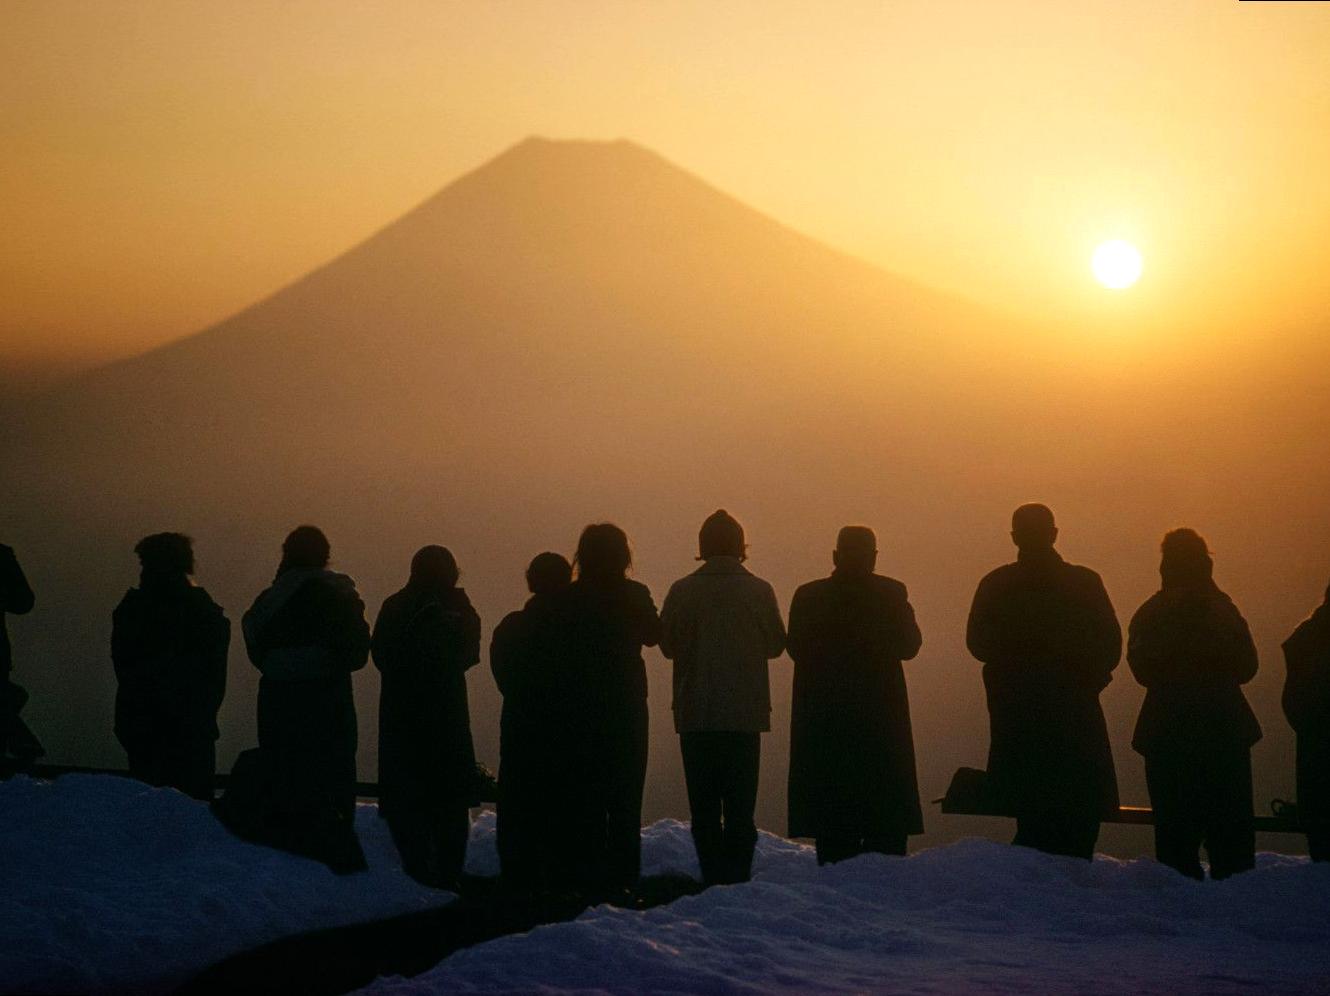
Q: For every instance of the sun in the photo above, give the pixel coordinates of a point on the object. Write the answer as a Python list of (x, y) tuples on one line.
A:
[(1116, 264)]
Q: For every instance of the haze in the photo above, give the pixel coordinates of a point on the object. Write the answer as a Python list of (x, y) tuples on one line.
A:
[(514, 338), (167, 163)]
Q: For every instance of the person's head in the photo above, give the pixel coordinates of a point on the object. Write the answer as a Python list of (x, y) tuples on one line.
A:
[(434, 567), (1184, 558), (721, 535), (1032, 527), (856, 550), (164, 555), (305, 548), (603, 552), (548, 573)]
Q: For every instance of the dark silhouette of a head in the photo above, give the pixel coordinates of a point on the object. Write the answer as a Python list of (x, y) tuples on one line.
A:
[(856, 550), (602, 552), (434, 567), (1033, 528), (305, 548), (548, 573), (721, 535), (1185, 559), (163, 555)]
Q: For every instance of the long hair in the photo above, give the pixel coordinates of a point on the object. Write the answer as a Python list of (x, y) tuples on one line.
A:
[(434, 567), (304, 548), (602, 553)]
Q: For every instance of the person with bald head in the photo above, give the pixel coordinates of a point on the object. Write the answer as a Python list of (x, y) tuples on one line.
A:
[(425, 639), (1049, 640), (853, 787)]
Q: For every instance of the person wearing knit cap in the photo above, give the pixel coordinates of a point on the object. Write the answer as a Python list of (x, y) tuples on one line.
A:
[(853, 786), (1191, 649), (720, 626)]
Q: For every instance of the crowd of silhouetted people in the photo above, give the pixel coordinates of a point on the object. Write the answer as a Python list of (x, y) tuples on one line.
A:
[(574, 726)]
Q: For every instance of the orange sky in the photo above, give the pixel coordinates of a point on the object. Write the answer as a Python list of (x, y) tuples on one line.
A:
[(167, 163)]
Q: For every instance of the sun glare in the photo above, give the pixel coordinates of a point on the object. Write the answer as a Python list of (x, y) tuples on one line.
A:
[(1116, 264)]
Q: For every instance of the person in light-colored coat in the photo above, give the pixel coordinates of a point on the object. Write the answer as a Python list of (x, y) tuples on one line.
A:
[(721, 625)]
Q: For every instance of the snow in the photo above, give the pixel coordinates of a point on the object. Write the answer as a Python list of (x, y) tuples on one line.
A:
[(971, 917), (106, 883)]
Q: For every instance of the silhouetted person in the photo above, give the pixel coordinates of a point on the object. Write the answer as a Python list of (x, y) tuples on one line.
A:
[(15, 597), (306, 634), (853, 786), (1191, 649), (169, 641), (426, 637), (539, 715), (1048, 638), (609, 619), (720, 625), (1307, 706)]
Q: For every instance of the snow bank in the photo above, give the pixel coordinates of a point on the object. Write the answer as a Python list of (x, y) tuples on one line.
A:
[(972, 917), (106, 883)]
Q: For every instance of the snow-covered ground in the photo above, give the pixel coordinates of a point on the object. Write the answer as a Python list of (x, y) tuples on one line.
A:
[(107, 884), (971, 917)]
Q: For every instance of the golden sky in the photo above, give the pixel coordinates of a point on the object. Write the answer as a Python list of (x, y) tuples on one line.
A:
[(166, 163)]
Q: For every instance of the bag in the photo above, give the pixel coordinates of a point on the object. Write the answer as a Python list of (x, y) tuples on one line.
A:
[(973, 793)]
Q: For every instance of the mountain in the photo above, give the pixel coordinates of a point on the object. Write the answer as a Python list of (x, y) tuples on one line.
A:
[(578, 331)]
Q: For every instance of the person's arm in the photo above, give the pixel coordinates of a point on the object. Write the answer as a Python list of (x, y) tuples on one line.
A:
[(773, 627), (15, 593), (903, 637), (647, 622), (349, 636), (1104, 640), (1145, 657), (125, 640), (1233, 647), (470, 635), (800, 638), (673, 620), (982, 632)]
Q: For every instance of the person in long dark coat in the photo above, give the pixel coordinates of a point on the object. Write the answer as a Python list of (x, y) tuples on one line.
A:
[(1049, 641), (1306, 702), (307, 634), (15, 597), (169, 641), (539, 714), (609, 618), (853, 786), (426, 637), (1191, 649)]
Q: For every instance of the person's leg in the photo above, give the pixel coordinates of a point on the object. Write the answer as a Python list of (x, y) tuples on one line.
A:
[(893, 842), (702, 769), (628, 766), (742, 756), (411, 831), (1229, 827), (834, 846), (452, 828), (1177, 832)]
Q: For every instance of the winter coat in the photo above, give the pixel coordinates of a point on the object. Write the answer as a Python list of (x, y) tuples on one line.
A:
[(720, 625), (852, 765), (1306, 703), (1191, 649), (1049, 640), (424, 641), (307, 634), (169, 642), (608, 623), (528, 659), (15, 597)]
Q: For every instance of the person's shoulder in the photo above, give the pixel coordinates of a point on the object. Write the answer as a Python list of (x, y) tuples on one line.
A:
[(1149, 608), (1003, 574), (130, 601), (1081, 573), (200, 598), (812, 589), (637, 589), (890, 587)]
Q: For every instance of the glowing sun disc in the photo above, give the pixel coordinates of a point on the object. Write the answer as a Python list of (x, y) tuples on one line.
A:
[(1116, 264)]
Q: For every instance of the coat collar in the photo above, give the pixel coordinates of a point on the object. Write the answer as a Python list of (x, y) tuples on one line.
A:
[(722, 565)]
